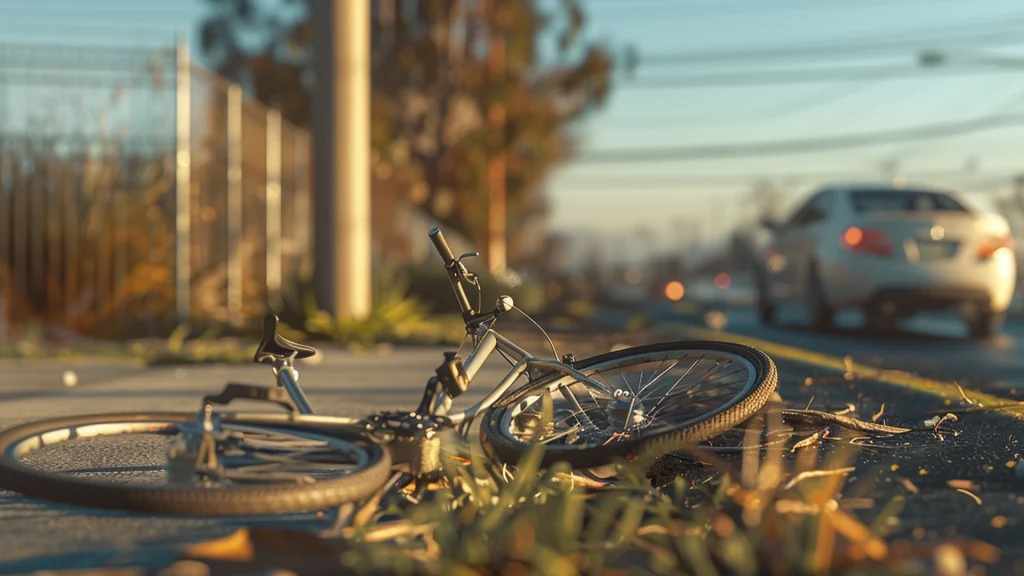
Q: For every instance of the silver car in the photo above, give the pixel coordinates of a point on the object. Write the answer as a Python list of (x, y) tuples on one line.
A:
[(891, 252)]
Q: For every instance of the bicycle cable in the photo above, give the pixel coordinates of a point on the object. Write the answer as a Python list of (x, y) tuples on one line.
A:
[(542, 331)]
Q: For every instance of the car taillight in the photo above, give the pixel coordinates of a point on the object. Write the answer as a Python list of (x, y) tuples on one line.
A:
[(866, 241), (991, 245)]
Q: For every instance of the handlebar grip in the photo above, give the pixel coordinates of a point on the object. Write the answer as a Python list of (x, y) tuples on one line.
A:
[(442, 247)]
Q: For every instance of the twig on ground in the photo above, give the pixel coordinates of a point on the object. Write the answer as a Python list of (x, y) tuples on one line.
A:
[(971, 494), (937, 421), (844, 421), (816, 474), (863, 441), (810, 440), (850, 409), (909, 485)]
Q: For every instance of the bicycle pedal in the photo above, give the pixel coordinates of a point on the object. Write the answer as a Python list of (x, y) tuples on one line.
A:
[(452, 375)]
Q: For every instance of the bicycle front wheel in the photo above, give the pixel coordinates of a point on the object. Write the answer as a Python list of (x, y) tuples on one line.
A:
[(260, 466), (649, 399)]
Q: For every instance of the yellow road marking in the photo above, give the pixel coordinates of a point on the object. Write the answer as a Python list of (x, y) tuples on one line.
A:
[(947, 390)]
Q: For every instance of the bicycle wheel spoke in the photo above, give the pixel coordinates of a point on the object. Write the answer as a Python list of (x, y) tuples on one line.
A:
[(240, 455), (656, 378), (684, 375), (660, 391)]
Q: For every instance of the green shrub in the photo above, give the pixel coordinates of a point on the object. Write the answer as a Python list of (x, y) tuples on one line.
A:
[(396, 317)]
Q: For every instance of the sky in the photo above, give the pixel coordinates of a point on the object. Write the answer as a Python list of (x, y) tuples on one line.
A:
[(665, 107)]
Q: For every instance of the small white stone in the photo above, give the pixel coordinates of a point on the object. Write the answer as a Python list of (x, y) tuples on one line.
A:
[(69, 378)]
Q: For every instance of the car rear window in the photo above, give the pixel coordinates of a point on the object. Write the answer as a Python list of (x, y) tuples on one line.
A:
[(904, 201)]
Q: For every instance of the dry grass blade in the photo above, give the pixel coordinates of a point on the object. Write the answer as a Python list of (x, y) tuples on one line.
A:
[(858, 534), (851, 503), (974, 549), (980, 408), (877, 415), (790, 506), (390, 531), (909, 485), (963, 394), (372, 506)]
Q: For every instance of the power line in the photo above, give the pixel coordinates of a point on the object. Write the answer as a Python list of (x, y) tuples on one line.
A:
[(804, 145), (805, 76), (887, 44), (674, 181), (723, 9)]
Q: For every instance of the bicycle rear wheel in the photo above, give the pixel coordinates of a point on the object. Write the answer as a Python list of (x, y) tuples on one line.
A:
[(652, 399), (265, 466)]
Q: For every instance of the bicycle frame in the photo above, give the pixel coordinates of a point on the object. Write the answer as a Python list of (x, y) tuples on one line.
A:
[(487, 342)]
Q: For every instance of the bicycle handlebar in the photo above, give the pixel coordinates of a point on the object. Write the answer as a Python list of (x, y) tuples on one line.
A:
[(455, 270), (442, 247)]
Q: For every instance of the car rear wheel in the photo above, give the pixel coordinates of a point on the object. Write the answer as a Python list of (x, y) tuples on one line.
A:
[(985, 324), (765, 306), (822, 314), (879, 319)]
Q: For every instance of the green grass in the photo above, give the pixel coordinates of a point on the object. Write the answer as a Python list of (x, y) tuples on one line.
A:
[(773, 514)]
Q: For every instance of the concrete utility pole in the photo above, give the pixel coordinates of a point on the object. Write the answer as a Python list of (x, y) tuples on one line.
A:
[(341, 141), (497, 214)]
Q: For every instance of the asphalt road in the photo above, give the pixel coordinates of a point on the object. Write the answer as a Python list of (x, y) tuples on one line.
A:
[(38, 535), (932, 345)]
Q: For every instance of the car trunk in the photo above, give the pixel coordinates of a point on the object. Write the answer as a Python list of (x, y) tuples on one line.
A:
[(925, 236)]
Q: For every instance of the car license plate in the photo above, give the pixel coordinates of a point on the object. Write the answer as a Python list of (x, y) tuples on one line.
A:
[(936, 250)]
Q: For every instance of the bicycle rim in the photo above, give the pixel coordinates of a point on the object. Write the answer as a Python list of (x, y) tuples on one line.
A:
[(263, 468), (650, 398)]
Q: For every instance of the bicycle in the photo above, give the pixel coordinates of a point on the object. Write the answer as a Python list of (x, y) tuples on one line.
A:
[(222, 463)]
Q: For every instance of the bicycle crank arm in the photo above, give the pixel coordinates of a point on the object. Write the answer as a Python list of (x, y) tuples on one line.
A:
[(234, 391)]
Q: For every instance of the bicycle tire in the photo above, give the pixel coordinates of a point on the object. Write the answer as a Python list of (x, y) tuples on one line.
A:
[(233, 501), (501, 448)]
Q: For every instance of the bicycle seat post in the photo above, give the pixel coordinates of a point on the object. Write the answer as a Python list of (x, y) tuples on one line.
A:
[(288, 378)]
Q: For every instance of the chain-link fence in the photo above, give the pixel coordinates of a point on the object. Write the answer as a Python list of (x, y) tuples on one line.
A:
[(138, 191)]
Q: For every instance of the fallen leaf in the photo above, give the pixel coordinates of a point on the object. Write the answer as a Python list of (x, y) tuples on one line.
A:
[(236, 546), (962, 484)]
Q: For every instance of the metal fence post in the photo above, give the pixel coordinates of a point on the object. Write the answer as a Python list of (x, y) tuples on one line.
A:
[(303, 203), (273, 205), (5, 320), (183, 177), (234, 216)]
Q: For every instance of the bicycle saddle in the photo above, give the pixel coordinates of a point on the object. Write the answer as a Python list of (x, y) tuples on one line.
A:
[(273, 345)]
